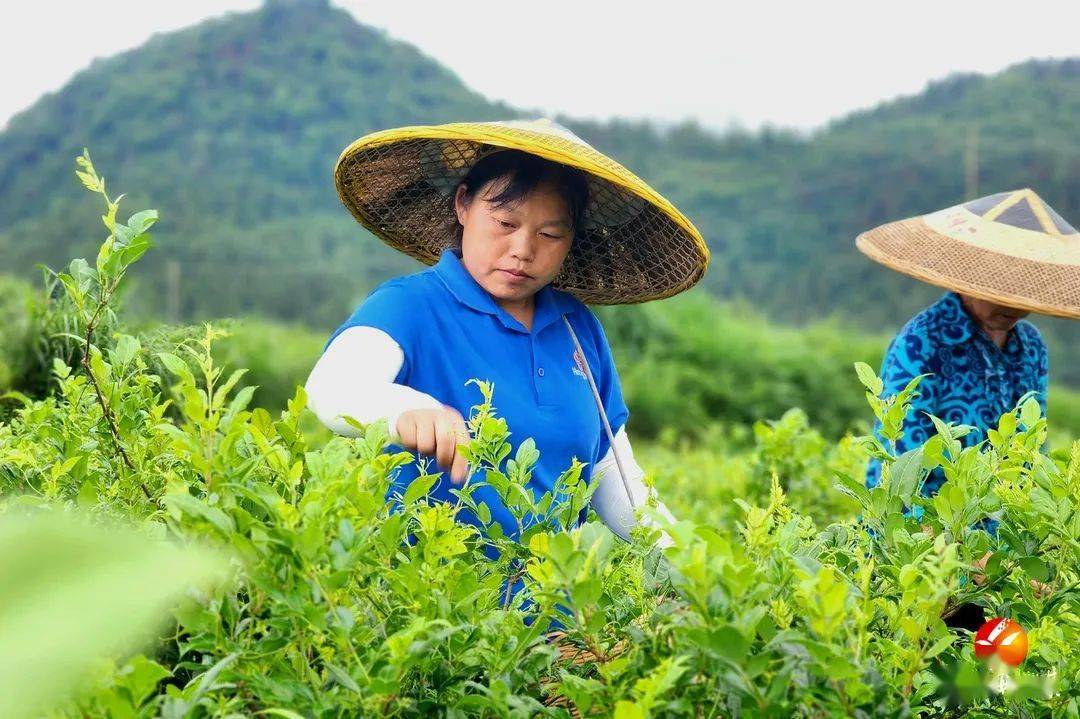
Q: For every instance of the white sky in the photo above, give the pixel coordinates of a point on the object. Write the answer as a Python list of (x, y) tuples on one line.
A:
[(752, 62)]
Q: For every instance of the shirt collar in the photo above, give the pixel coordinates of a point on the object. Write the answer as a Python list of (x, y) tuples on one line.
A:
[(957, 326), (551, 304)]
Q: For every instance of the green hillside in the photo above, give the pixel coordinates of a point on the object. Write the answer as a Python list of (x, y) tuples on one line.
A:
[(234, 126)]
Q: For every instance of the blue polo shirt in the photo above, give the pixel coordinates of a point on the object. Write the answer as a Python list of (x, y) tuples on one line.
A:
[(451, 330)]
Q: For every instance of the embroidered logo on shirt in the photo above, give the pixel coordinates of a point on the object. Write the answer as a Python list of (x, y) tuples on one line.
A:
[(579, 365)]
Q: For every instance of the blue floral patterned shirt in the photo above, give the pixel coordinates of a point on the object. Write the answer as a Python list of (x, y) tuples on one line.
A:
[(973, 380)]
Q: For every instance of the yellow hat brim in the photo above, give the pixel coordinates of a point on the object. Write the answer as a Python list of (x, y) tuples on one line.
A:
[(636, 245)]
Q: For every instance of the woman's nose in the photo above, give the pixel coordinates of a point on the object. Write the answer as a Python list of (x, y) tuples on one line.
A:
[(522, 244)]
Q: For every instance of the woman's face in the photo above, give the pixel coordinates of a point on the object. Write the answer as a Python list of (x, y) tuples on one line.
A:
[(992, 316), (515, 250)]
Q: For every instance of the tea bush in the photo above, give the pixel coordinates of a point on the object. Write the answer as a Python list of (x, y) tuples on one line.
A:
[(787, 597), (704, 479), (728, 363)]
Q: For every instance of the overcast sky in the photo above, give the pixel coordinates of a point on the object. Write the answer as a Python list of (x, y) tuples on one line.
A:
[(794, 64)]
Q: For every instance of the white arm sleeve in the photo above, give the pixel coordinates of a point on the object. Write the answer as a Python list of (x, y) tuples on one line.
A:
[(610, 500), (355, 378)]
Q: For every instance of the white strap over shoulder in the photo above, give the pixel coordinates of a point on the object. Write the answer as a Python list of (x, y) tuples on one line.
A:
[(600, 409)]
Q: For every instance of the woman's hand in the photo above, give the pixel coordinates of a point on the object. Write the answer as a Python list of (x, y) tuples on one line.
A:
[(1041, 590), (437, 433)]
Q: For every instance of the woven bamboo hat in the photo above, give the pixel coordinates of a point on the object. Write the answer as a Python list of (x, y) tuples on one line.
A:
[(635, 246), (1010, 248)]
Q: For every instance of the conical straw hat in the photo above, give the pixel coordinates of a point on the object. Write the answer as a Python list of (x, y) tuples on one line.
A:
[(635, 246), (1010, 248)]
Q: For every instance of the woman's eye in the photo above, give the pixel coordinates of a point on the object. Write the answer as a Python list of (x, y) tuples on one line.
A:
[(550, 236), (506, 224)]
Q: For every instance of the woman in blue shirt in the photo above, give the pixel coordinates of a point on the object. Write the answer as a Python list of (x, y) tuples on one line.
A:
[(508, 213), (982, 358), (1001, 257)]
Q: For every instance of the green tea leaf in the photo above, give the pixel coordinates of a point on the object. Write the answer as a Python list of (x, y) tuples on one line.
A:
[(420, 487), (1036, 568), (72, 595), (869, 379), (905, 473)]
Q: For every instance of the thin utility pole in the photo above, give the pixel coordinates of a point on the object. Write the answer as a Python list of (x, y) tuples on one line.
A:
[(172, 290), (971, 163)]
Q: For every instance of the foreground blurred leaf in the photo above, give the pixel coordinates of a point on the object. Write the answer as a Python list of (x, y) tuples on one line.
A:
[(71, 594)]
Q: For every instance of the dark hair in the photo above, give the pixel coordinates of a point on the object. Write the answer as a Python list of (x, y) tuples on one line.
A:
[(521, 173)]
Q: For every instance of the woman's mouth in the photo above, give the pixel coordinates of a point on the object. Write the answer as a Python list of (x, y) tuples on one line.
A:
[(515, 275)]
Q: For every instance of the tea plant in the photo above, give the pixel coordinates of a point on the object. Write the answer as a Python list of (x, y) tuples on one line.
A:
[(343, 603)]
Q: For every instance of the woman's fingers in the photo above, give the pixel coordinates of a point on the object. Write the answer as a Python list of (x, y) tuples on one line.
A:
[(446, 440), (406, 430), (460, 467), (452, 433), (979, 578), (1041, 590), (425, 434), (437, 433)]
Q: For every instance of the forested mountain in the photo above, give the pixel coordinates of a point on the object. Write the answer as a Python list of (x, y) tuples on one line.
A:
[(232, 127)]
